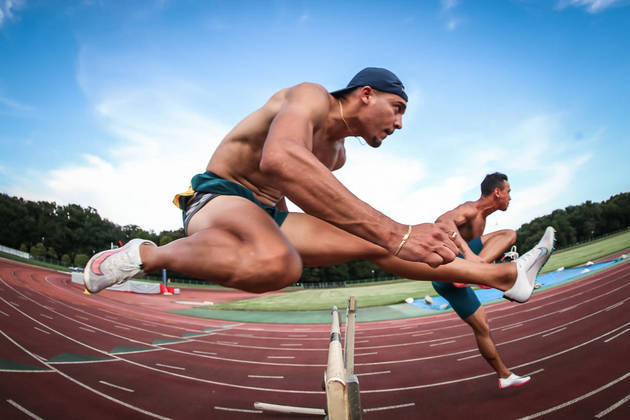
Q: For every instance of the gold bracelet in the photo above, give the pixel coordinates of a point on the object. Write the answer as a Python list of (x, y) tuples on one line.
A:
[(403, 242)]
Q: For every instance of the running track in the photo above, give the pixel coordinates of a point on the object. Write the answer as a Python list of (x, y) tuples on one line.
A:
[(67, 355)]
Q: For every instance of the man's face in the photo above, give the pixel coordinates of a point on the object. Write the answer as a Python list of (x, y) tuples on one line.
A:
[(382, 116), (503, 195)]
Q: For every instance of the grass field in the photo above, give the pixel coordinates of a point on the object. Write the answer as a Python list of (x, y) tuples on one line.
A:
[(394, 293)]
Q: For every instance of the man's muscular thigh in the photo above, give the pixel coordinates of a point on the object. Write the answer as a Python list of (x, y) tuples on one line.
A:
[(320, 243)]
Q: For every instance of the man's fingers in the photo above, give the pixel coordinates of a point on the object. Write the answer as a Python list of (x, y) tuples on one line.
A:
[(446, 253)]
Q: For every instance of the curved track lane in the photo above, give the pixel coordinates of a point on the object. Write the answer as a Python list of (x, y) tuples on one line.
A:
[(67, 355)]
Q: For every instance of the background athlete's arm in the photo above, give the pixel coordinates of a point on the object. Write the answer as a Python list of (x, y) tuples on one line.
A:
[(455, 218)]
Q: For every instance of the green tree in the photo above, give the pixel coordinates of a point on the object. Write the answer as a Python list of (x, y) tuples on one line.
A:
[(38, 250), (65, 260), (51, 253), (80, 260)]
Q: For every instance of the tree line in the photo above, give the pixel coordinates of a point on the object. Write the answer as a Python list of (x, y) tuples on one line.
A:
[(70, 233)]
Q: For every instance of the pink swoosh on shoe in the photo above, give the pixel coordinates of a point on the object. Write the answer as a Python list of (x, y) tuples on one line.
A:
[(96, 264)]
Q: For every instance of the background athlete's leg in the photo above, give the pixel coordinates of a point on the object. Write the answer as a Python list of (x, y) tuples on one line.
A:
[(232, 242), (320, 243), (479, 323), (495, 244)]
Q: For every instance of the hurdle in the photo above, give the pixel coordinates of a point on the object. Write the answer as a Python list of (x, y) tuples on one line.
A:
[(340, 383)]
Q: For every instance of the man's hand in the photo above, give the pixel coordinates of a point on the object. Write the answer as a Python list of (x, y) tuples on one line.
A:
[(429, 243)]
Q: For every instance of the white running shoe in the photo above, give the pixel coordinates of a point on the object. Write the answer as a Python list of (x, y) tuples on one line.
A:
[(114, 266), (513, 380), (528, 265)]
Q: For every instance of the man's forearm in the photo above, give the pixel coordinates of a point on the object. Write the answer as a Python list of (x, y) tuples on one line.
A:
[(313, 187)]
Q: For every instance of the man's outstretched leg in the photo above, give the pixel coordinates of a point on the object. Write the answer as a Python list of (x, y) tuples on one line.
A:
[(479, 323)]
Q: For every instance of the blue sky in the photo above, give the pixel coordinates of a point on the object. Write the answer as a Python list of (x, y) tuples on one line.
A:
[(117, 104)]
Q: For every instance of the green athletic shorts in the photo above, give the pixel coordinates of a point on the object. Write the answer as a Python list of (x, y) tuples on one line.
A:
[(207, 186), (462, 299)]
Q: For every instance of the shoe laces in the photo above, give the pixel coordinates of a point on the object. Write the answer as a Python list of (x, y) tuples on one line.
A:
[(511, 253)]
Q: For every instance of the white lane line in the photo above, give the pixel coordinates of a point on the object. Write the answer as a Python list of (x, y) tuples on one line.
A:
[(280, 357), (297, 336), (553, 332), (442, 343), (614, 306), (170, 367), (389, 407), (612, 407), (238, 410), (573, 401), (362, 342), (230, 343), (534, 372), (117, 386), (23, 410), (44, 331), (4, 313), (365, 354), (568, 308), (469, 357), (46, 316), (419, 334), (265, 377), (511, 326), (86, 329), (615, 336), (14, 304), (291, 345), (205, 352), (407, 328), (384, 372)]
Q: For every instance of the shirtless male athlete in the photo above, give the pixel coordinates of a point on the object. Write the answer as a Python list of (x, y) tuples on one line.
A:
[(469, 221), (240, 235)]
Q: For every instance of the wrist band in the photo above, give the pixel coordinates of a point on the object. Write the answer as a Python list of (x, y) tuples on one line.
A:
[(404, 241)]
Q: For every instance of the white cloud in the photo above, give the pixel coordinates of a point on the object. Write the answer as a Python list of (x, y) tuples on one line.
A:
[(452, 24), (449, 4), (592, 6), (7, 9)]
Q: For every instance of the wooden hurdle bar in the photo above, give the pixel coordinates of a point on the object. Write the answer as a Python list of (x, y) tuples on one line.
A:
[(340, 382)]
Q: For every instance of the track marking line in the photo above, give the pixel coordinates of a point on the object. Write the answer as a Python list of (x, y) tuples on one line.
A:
[(615, 336), (86, 329), (573, 401), (44, 331), (534, 372), (280, 357), (117, 386), (46, 316), (170, 367), (442, 343), (265, 377), (419, 334), (389, 407), (238, 410), (612, 407), (384, 372), (4, 313), (291, 345), (614, 306), (553, 332), (511, 326), (365, 354), (204, 352), (24, 410), (469, 357)]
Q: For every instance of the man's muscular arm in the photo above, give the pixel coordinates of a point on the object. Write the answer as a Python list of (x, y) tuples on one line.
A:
[(291, 165), (455, 218)]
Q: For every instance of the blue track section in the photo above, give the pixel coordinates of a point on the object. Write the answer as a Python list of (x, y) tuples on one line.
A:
[(545, 280)]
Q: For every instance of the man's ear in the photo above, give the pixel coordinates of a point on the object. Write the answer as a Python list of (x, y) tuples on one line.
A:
[(366, 93)]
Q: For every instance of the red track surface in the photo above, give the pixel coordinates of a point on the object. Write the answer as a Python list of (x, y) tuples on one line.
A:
[(133, 360)]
